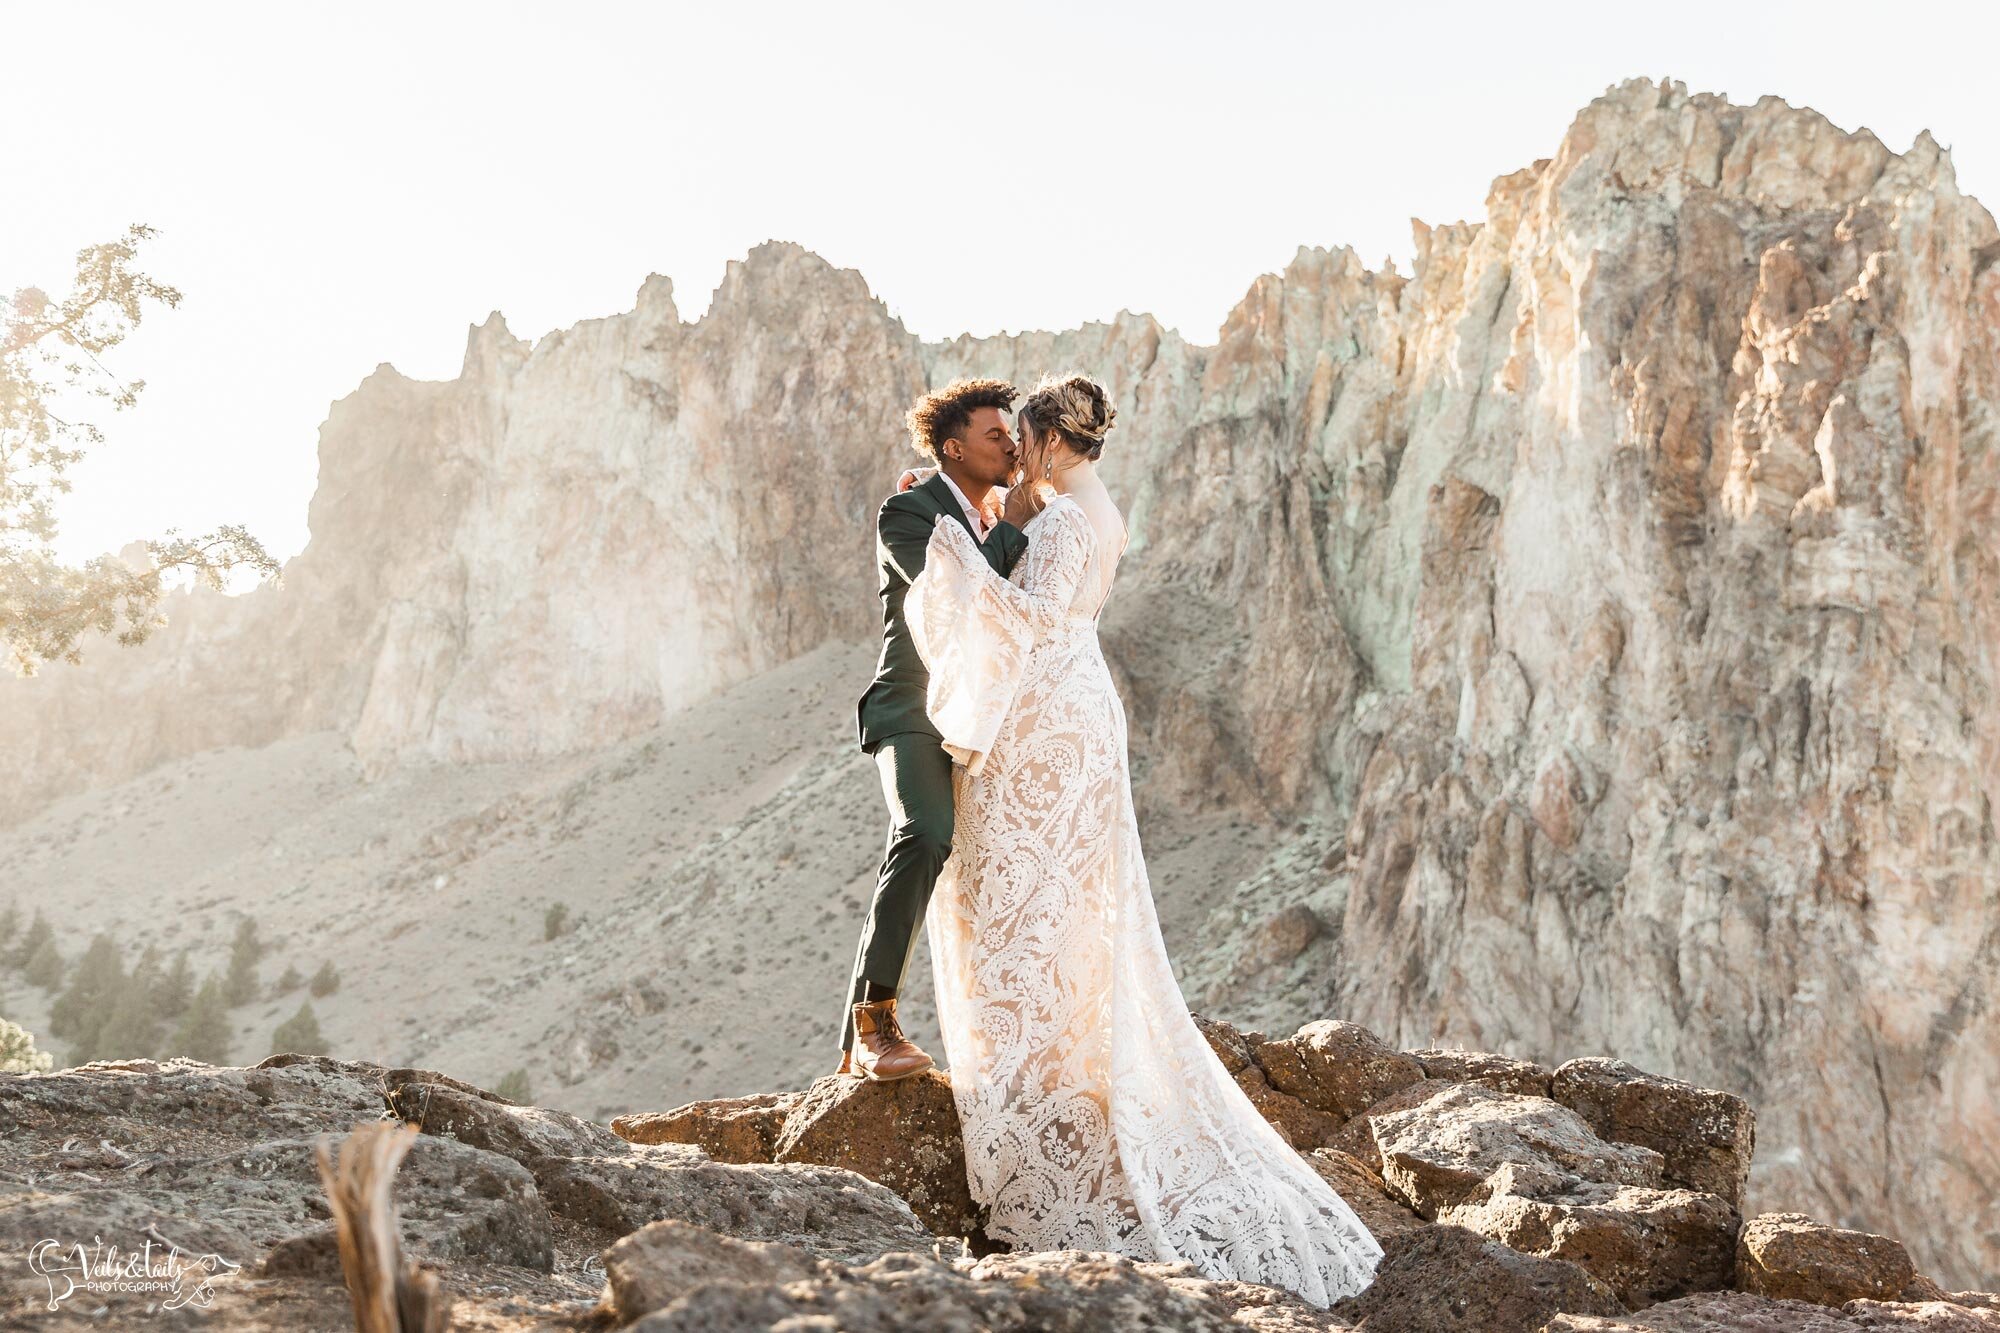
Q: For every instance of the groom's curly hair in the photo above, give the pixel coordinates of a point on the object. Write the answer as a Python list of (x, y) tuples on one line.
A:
[(937, 417)]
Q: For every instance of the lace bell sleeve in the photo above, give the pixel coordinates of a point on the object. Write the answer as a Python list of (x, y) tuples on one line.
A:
[(974, 629)]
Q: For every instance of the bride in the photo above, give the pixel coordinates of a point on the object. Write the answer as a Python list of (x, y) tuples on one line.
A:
[(1096, 1116)]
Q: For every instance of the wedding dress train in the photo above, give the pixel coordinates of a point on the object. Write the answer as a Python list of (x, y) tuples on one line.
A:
[(1096, 1116)]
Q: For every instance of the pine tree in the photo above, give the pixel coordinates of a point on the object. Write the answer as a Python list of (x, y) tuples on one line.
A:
[(241, 984), (325, 981), (146, 973), (16, 949), (18, 1054), (175, 991), (135, 1028), (41, 963), (45, 969), (85, 1005), (514, 1086), (204, 1030), (10, 934), (289, 982), (299, 1034)]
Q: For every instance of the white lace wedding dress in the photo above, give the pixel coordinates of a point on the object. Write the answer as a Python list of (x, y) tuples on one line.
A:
[(1096, 1116)]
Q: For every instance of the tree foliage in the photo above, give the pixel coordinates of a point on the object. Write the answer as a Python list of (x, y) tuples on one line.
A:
[(85, 1006), (299, 1034), (204, 1030), (174, 991), (50, 352), (135, 1025), (244, 951), (36, 955)]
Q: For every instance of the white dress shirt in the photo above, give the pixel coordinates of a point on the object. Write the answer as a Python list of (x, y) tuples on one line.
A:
[(972, 514)]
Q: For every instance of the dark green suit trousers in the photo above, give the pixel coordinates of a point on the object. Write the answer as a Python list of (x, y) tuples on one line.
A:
[(894, 727)]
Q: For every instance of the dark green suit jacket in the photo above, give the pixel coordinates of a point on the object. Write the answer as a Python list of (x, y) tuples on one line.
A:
[(894, 700)]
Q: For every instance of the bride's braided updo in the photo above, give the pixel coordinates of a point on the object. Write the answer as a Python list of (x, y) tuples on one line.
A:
[(1076, 407)]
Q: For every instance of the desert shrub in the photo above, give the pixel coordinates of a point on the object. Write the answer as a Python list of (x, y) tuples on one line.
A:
[(325, 981), (555, 921), (17, 1051), (514, 1086)]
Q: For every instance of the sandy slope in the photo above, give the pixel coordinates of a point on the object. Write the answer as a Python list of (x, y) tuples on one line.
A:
[(716, 870)]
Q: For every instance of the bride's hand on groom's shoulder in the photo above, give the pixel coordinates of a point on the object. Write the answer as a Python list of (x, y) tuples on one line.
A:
[(914, 476)]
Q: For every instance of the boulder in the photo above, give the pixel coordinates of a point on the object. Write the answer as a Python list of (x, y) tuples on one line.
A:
[(455, 1203), (1501, 1073), (659, 1263), (220, 1160), (1365, 1192), (1356, 1138), (1440, 1152), (1082, 1291), (1932, 1316), (1712, 1312), (1236, 1049), (314, 1254), (1336, 1068), (1440, 1278), (595, 1179), (903, 1134), (1647, 1245), (1705, 1136), (1065, 1291), (729, 1129), (532, 1135), (1745, 1312), (1791, 1256), (830, 1214), (1302, 1126)]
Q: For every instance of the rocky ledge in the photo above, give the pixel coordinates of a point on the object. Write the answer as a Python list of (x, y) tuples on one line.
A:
[(1507, 1196)]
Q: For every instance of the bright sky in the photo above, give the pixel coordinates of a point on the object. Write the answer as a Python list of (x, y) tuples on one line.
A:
[(339, 186)]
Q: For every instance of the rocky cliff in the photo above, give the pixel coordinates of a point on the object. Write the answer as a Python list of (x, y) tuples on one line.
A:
[(1598, 625), (1508, 1198)]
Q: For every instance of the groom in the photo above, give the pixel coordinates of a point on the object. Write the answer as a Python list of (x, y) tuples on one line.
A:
[(963, 428)]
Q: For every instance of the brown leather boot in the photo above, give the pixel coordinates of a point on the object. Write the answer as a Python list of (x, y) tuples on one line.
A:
[(882, 1054)]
